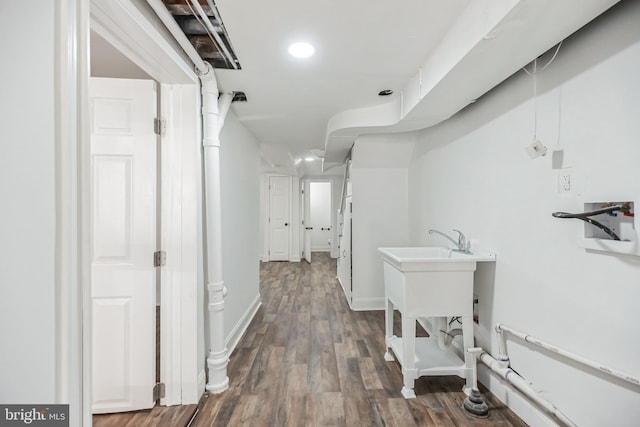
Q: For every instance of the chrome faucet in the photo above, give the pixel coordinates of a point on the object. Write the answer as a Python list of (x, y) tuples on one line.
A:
[(462, 245)]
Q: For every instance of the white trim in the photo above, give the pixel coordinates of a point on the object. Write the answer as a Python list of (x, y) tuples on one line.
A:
[(367, 304), (294, 220), (71, 76), (202, 382), (344, 291), (179, 237), (240, 328), (122, 24), (185, 187)]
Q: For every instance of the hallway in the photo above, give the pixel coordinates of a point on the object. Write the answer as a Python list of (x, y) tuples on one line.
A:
[(308, 360)]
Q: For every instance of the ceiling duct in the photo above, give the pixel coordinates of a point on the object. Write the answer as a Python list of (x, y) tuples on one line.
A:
[(208, 37)]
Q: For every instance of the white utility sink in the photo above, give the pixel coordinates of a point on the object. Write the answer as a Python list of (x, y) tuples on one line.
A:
[(429, 282), (430, 258)]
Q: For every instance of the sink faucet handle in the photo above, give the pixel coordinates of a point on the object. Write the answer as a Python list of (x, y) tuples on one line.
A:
[(461, 239)]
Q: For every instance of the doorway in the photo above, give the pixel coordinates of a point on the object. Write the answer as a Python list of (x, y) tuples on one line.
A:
[(320, 209), (139, 48), (318, 217)]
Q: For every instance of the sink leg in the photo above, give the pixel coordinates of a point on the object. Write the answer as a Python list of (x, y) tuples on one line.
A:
[(469, 359), (409, 371), (408, 393), (388, 321), (388, 356)]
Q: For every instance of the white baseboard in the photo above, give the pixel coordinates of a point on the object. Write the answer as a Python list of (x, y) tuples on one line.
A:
[(202, 382), (236, 333), (295, 260), (367, 304), (513, 399)]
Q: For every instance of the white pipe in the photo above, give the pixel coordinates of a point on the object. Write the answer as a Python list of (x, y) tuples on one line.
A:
[(519, 383), (503, 357), (167, 19), (214, 33), (598, 366), (441, 328), (211, 124), (212, 120)]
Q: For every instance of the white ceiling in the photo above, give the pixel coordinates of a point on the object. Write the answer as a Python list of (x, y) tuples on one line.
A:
[(362, 47), (437, 56)]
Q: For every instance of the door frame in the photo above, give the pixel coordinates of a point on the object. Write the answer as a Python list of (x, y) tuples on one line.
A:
[(334, 217), (126, 27)]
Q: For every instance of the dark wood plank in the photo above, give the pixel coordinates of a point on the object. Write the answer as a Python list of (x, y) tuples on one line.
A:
[(306, 359)]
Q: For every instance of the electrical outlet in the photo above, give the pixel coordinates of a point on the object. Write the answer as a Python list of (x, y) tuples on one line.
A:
[(565, 179)]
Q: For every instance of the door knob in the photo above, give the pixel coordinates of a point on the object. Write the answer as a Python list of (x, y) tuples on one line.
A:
[(286, 224)]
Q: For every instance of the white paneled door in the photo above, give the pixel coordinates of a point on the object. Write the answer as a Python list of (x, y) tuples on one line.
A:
[(279, 218), (123, 192)]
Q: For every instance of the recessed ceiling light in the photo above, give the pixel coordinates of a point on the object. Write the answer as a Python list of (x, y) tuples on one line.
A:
[(309, 159), (301, 50)]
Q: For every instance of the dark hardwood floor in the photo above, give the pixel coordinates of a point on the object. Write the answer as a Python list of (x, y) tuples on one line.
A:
[(308, 360)]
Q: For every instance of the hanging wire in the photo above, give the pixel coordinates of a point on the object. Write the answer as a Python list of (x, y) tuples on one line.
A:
[(545, 65), (534, 73)]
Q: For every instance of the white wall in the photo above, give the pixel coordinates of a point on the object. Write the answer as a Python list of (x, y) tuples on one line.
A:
[(240, 182), (472, 173), (379, 178), (27, 216)]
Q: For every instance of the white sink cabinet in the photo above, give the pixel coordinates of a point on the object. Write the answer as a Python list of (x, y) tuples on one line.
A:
[(428, 282)]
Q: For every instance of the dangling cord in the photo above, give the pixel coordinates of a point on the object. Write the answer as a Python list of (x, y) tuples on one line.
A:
[(535, 87), (535, 99)]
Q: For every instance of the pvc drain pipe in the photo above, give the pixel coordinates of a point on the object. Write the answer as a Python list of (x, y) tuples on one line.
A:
[(520, 384)]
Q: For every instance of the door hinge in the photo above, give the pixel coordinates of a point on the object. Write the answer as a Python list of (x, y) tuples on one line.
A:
[(159, 126), (158, 391), (159, 258)]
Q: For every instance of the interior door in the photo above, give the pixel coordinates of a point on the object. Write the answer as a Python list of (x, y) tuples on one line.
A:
[(123, 192), (308, 228), (279, 220)]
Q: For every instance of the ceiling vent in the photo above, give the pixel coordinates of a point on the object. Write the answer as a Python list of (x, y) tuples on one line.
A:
[(201, 23)]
